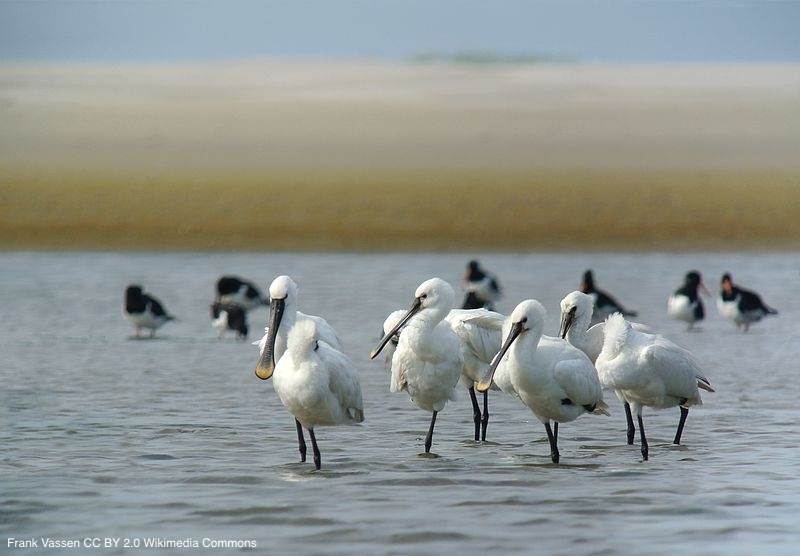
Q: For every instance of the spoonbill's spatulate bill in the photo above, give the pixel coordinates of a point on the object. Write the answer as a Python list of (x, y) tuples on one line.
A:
[(317, 383), (144, 311), (741, 306), (427, 362), (648, 370), (554, 379)]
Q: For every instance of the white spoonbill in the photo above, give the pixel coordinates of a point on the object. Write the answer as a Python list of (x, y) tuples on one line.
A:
[(685, 304), (144, 311), (480, 335), (648, 370), (317, 384), (742, 307), (576, 315), (283, 316), (553, 378), (427, 362)]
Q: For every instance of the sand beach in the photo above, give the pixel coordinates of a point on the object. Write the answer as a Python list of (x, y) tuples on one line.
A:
[(362, 155)]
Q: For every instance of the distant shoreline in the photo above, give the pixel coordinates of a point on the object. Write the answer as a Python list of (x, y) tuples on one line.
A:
[(357, 155)]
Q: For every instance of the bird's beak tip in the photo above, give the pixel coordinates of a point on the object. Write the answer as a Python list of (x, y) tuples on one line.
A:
[(264, 373)]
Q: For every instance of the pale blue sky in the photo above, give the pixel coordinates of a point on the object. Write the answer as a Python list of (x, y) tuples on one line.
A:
[(589, 30)]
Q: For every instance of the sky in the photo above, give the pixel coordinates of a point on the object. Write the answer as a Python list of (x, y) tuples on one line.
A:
[(587, 30)]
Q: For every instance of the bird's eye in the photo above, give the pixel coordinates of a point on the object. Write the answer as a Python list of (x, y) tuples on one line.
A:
[(423, 296), (524, 319)]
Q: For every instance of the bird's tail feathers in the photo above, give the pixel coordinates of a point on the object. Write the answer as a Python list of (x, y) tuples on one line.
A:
[(704, 384)]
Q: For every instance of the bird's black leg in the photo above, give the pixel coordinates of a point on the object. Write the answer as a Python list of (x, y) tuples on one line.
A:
[(645, 448), (476, 412), (631, 428), (553, 438), (429, 438), (485, 418), (679, 432), (315, 449), (301, 442)]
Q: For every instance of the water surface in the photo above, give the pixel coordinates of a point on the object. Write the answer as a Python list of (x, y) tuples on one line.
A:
[(175, 438)]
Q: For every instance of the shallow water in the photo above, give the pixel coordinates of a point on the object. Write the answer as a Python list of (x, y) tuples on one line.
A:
[(106, 436)]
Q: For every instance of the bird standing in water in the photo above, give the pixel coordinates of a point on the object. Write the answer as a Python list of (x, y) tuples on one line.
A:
[(144, 311), (742, 307)]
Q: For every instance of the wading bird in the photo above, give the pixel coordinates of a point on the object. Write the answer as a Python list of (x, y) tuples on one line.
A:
[(553, 378), (685, 304), (427, 361), (282, 318), (576, 315), (742, 307), (604, 304), (236, 291), (317, 384), (144, 311), (228, 316), (648, 370)]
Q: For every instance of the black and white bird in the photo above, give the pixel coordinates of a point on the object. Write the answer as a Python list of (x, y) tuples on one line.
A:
[(685, 304), (234, 290), (741, 306), (144, 311), (604, 304), (229, 316), (482, 288)]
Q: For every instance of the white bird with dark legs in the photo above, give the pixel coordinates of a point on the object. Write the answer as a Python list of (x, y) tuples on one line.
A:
[(685, 304), (480, 334), (740, 306), (648, 370), (427, 362), (283, 317), (317, 384), (553, 378), (576, 316)]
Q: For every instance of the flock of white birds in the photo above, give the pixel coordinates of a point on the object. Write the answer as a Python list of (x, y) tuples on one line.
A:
[(433, 349)]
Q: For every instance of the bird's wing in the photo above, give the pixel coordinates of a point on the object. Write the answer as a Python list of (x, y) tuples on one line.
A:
[(578, 379), (479, 331), (677, 368), (326, 332), (155, 306), (343, 381)]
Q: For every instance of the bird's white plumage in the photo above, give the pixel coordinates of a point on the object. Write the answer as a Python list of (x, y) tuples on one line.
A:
[(428, 362), (588, 339), (680, 307), (544, 371), (648, 369), (480, 333), (318, 384), (283, 287)]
